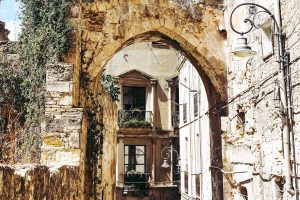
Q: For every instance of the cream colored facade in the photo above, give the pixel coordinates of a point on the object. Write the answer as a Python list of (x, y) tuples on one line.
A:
[(194, 135), (145, 68)]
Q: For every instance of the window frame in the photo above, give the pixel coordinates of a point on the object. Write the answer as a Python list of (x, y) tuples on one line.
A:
[(135, 156), (196, 105)]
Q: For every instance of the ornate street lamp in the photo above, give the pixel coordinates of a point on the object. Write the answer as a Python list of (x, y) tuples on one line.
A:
[(283, 62), (165, 154)]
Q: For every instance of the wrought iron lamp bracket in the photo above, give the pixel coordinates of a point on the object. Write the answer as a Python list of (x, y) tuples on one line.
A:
[(251, 19)]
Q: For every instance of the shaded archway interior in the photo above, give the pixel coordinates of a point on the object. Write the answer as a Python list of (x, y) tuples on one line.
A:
[(213, 96)]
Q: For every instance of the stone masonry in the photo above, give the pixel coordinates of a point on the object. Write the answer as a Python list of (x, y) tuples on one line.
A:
[(62, 125)]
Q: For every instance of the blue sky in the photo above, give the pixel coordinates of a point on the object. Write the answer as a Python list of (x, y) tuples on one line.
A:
[(9, 13)]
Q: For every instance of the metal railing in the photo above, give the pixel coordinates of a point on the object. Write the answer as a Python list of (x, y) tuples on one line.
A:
[(135, 119), (136, 182)]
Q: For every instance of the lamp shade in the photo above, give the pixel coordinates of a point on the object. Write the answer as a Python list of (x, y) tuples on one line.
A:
[(243, 49), (165, 164)]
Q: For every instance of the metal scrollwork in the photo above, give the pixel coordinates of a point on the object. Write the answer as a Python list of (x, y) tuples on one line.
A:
[(251, 20)]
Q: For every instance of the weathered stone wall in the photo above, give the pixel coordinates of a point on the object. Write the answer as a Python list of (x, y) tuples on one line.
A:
[(62, 124), (103, 28), (252, 138), (35, 182)]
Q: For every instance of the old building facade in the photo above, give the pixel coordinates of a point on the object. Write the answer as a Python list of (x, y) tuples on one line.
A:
[(194, 135), (144, 124), (238, 153)]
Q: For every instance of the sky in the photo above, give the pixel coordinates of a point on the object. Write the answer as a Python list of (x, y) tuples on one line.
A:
[(10, 14)]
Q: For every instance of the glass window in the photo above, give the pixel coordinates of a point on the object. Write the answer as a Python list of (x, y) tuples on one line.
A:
[(135, 158), (134, 98), (196, 104), (184, 112)]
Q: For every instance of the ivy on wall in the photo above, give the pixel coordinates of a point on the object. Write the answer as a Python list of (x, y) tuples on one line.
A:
[(42, 40)]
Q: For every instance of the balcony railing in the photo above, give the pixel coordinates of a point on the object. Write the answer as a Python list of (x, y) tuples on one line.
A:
[(135, 119), (175, 119), (136, 181)]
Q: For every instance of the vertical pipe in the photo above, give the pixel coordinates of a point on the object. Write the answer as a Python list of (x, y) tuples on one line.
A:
[(283, 99)]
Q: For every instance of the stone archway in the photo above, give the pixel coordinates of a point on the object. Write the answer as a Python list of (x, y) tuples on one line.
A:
[(106, 27)]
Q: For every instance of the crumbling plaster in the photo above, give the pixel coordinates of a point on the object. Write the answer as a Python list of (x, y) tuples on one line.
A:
[(255, 146), (103, 28)]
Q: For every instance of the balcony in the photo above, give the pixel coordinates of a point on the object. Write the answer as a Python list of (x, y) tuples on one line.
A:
[(135, 119), (136, 183)]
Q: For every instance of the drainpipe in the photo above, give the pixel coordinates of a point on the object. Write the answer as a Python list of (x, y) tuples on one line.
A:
[(284, 103)]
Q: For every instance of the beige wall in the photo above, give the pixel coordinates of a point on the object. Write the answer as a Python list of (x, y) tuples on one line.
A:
[(159, 63)]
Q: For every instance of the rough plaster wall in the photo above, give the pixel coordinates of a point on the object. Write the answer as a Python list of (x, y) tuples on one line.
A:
[(257, 147), (291, 22), (108, 160), (35, 182), (106, 27)]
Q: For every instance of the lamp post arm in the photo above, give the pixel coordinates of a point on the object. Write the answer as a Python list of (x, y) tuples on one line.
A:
[(252, 21), (168, 153)]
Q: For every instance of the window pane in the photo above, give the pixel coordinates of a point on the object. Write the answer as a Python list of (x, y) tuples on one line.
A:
[(126, 150), (195, 103), (126, 159), (140, 149), (140, 159), (140, 168)]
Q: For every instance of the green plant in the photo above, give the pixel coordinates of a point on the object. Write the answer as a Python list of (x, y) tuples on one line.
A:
[(44, 38), (110, 85), (134, 123)]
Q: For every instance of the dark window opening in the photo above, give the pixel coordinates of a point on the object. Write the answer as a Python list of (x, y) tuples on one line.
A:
[(196, 107), (186, 182), (177, 99), (244, 192), (184, 112), (134, 98)]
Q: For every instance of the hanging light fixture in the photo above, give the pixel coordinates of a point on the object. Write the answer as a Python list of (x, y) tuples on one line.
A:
[(165, 164), (243, 49)]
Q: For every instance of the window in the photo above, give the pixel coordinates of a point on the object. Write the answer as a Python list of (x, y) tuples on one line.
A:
[(266, 39), (135, 176), (196, 104), (186, 182), (134, 158), (134, 98), (198, 189), (184, 112)]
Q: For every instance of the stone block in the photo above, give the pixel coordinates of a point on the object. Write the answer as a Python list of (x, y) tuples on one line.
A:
[(60, 156), (66, 100), (74, 140), (65, 87), (54, 141), (59, 72)]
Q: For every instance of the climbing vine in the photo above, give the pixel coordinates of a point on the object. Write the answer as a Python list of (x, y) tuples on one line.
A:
[(95, 137), (43, 39)]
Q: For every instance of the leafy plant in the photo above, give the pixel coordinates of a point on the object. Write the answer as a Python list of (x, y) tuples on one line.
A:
[(44, 38), (110, 85), (134, 123)]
